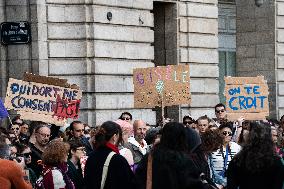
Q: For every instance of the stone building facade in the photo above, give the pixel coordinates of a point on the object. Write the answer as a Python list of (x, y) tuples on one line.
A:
[(97, 43)]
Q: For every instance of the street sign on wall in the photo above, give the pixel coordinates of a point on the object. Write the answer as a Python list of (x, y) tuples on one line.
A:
[(15, 33)]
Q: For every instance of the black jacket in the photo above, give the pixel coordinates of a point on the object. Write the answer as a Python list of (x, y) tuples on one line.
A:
[(240, 178), (119, 174), (75, 175), (35, 157), (170, 170)]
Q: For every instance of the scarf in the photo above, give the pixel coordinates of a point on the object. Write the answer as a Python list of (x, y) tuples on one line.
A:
[(63, 168), (143, 149), (112, 147)]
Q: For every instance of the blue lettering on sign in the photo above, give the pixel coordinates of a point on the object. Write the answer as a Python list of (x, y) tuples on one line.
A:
[(20, 102), (235, 91), (14, 87), (230, 103), (255, 88), (246, 102)]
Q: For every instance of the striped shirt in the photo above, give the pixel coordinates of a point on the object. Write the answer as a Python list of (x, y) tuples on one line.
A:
[(218, 157)]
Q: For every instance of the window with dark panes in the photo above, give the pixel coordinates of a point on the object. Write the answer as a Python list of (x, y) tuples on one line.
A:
[(227, 43)]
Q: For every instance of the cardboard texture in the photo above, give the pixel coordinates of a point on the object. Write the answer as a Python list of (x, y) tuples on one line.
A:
[(173, 82), (49, 80), (247, 97), (37, 101)]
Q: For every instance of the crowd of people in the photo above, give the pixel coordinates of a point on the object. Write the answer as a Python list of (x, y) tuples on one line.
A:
[(125, 153)]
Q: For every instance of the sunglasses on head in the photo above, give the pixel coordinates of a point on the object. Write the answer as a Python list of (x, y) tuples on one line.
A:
[(225, 133), (218, 111)]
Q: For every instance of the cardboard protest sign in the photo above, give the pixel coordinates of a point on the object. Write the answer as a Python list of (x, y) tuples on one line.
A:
[(43, 102), (169, 84), (247, 97)]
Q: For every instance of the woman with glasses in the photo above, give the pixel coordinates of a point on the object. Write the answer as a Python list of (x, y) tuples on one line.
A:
[(126, 116), (220, 159), (77, 151), (25, 152)]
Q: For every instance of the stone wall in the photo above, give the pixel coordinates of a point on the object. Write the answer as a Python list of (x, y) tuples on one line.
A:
[(74, 39), (280, 56), (199, 47), (256, 44), (99, 54)]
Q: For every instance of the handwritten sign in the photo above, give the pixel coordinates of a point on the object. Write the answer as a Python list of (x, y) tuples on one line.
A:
[(43, 102), (170, 81), (247, 97)]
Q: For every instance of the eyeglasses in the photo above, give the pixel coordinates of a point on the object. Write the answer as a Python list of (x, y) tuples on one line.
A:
[(15, 128), (125, 118), (44, 135), (27, 155), (187, 122), (218, 111), (79, 130), (81, 149), (225, 133)]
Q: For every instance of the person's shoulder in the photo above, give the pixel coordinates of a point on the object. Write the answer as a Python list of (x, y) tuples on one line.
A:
[(10, 166), (235, 146)]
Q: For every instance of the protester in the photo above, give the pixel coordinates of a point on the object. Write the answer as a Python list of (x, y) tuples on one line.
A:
[(152, 137), (42, 134), (54, 175), (188, 122), (211, 140), (11, 172), (119, 174), (77, 130), (87, 130), (257, 165), (126, 116), (77, 150), (242, 139), (17, 120), (171, 167), (25, 152), (202, 124), (137, 144), (220, 159), (24, 135), (127, 130), (220, 113)]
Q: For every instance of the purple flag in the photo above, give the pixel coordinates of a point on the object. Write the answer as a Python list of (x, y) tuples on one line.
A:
[(3, 110)]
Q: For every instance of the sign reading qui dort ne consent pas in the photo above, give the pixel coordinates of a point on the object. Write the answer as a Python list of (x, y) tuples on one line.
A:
[(170, 84), (247, 97), (43, 102)]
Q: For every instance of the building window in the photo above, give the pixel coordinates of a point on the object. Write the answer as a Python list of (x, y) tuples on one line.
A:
[(227, 43), (227, 67)]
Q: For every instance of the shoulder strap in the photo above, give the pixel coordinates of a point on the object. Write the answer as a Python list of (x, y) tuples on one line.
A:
[(149, 172), (105, 169)]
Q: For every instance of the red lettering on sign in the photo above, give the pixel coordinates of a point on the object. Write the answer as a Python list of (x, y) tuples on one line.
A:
[(64, 108)]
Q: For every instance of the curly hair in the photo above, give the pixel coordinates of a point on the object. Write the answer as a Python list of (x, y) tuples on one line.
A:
[(211, 140), (55, 153), (258, 153)]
